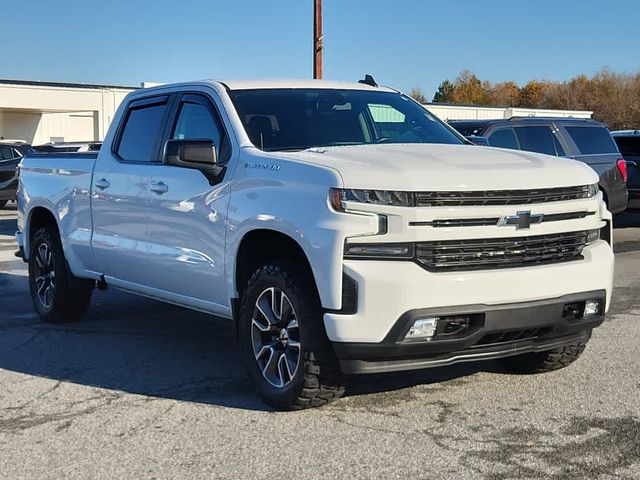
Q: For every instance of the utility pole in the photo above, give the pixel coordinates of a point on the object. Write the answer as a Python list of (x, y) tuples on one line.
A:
[(317, 39)]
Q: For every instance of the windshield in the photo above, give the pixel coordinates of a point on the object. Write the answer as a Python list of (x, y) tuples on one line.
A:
[(296, 119)]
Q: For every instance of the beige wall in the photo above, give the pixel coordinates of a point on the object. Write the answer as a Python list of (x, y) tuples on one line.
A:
[(39, 113)]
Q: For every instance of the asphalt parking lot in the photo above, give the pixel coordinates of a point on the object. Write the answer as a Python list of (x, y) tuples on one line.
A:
[(145, 390)]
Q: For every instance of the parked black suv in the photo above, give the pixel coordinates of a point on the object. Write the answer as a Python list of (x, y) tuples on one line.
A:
[(629, 145), (581, 139), (10, 155)]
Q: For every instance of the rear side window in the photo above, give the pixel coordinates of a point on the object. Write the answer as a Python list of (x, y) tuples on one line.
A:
[(536, 139), (503, 138), (629, 146), (592, 140), (141, 131)]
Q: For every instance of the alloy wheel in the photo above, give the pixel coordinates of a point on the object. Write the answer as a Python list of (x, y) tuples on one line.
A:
[(45, 275), (275, 336)]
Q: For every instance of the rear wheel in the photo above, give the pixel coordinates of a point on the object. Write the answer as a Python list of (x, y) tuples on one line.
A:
[(283, 341), (58, 296), (542, 362)]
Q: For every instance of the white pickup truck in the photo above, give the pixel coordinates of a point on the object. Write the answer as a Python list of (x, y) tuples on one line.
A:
[(341, 228)]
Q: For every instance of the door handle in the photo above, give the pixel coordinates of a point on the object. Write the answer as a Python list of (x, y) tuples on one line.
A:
[(103, 184), (159, 187)]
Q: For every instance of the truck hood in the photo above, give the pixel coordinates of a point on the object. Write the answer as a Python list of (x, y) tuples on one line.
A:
[(416, 167)]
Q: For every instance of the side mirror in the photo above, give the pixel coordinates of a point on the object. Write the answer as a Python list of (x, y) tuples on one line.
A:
[(484, 141), (198, 154)]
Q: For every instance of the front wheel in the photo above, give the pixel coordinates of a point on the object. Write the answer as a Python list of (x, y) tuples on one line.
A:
[(283, 341), (58, 296), (541, 362)]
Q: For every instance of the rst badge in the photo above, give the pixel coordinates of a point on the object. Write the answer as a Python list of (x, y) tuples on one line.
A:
[(521, 220)]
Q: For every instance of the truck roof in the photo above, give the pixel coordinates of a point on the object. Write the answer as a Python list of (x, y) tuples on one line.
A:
[(288, 83), (278, 83)]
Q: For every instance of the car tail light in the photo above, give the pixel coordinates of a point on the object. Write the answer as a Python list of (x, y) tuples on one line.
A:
[(622, 166)]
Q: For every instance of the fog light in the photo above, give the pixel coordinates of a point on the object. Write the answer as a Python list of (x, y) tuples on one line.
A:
[(591, 307), (423, 328)]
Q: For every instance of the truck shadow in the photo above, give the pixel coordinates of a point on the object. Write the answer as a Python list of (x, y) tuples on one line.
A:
[(144, 347)]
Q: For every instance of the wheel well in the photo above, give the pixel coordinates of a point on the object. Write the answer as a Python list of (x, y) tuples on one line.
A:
[(39, 218), (262, 246)]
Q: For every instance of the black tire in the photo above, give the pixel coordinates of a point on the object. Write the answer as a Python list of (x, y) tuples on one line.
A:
[(542, 362), (317, 379), (3, 203), (66, 297)]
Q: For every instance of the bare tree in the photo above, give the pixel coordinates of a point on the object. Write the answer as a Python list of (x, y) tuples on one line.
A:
[(417, 95)]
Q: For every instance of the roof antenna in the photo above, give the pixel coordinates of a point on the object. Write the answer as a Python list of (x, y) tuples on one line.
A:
[(368, 80)]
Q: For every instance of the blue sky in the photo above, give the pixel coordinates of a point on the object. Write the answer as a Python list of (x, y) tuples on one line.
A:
[(403, 43)]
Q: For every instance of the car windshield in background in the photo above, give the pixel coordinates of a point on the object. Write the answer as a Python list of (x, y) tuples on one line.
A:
[(592, 140), (297, 119)]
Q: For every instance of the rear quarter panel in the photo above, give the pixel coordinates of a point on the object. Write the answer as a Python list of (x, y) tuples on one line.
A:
[(60, 183)]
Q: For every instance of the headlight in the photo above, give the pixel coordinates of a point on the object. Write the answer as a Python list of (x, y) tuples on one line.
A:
[(373, 197), (373, 251), (593, 236), (592, 190)]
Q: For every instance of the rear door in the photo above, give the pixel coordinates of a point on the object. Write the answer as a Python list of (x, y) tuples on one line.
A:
[(120, 193), (188, 212)]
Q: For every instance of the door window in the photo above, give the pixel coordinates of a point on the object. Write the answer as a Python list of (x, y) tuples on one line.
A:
[(6, 153), (536, 139), (196, 121), (140, 133), (503, 138)]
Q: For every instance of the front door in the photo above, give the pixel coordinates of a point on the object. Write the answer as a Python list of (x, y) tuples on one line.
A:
[(187, 215)]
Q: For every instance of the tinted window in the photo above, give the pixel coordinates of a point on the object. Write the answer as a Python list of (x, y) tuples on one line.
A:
[(503, 138), (196, 121), (5, 153), (9, 153), (141, 132), (296, 119), (468, 129), (629, 146), (592, 140), (536, 139)]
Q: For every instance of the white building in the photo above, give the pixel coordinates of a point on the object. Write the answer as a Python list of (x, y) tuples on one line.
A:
[(472, 112), (42, 112)]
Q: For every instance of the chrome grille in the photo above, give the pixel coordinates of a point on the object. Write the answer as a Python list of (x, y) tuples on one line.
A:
[(483, 222), (483, 254), (501, 197)]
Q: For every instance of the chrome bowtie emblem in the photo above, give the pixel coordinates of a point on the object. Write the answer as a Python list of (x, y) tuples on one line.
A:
[(521, 220)]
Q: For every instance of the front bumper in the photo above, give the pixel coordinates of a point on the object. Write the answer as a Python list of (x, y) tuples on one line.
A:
[(493, 332), (388, 289)]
